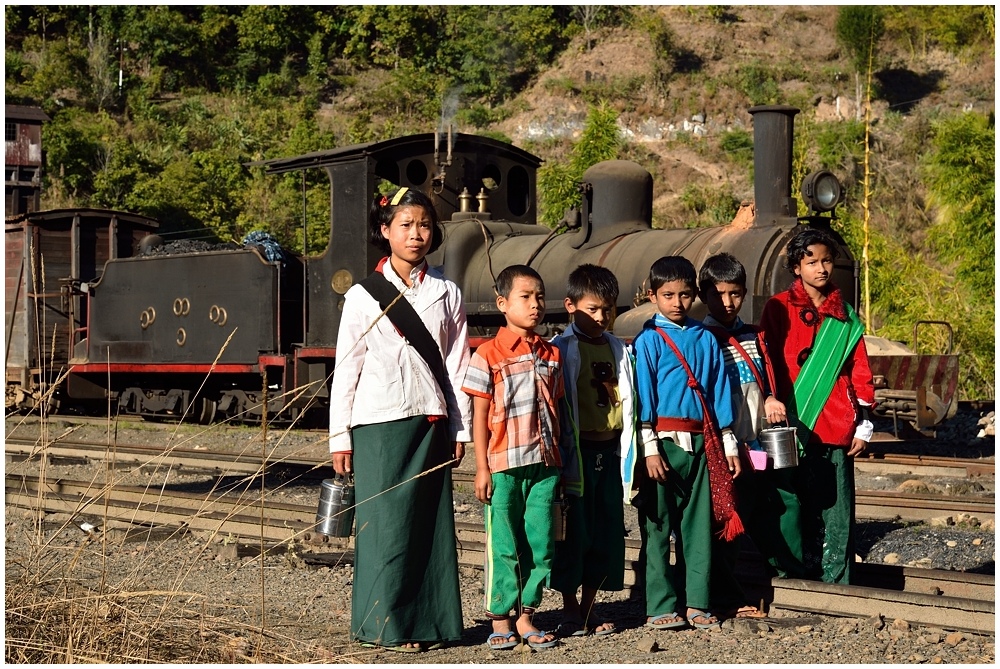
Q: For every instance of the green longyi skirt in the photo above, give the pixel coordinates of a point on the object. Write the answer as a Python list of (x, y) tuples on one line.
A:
[(406, 563)]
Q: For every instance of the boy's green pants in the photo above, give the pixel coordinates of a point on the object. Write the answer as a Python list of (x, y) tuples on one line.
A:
[(593, 554), (769, 508), (826, 491), (519, 542), (683, 506)]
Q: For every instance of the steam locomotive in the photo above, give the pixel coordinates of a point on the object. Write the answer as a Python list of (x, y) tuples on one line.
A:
[(240, 334)]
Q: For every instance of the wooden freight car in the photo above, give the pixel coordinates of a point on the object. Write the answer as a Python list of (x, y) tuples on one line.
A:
[(49, 255)]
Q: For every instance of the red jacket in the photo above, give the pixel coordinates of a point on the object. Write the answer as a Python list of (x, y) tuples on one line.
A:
[(790, 322)]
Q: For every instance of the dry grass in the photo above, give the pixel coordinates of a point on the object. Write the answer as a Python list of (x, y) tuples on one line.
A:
[(62, 608)]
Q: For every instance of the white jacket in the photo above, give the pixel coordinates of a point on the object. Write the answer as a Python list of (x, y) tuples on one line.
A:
[(569, 443), (382, 378)]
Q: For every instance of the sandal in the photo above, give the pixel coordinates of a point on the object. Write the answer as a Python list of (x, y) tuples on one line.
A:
[(611, 629), (526, 637), (571, 628), (395, 649), (704, 615), (511, 640), (748, 611), (672, 625)]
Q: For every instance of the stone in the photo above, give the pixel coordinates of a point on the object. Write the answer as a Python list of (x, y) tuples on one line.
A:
[(804, 629), (954, 639), (941, 521), (647, 644), (228, 551), (936, 660), (977, 542), (763, 627), (876, 622), (891, 558), (933, 638), (913, 486), (849, 628), (901, 625), (951, 544)]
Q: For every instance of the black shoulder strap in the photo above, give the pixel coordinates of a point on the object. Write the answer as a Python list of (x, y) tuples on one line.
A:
[(408, 322)]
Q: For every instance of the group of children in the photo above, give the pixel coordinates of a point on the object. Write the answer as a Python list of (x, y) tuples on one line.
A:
[(587, 423)]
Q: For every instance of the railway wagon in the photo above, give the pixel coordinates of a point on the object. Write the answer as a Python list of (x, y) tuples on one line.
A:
[(166, 354), (48, 256)]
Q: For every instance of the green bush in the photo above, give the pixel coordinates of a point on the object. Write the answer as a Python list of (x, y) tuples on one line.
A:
[(738, 146), (758, 82), (709, 206)]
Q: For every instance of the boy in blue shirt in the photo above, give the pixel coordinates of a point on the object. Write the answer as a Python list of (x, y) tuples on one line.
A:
[(683, 401), (597, 444)]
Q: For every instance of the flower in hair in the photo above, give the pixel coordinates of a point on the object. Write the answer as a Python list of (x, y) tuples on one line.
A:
[(384, 201)]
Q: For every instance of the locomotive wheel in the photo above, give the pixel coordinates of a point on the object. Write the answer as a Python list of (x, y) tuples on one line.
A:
[(205, 410)]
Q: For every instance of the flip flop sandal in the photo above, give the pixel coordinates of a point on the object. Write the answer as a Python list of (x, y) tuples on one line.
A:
[(406, 649), (748, 612), (569, 628), (511, 640), (604, 632), (672, 625), (701, 614), (538, 644)]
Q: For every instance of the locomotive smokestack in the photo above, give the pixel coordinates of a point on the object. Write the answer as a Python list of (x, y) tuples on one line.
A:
[(772, 164)]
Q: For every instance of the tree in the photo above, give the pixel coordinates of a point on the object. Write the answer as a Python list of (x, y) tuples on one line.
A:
[(859, 29), (557, 182), (959, 172)]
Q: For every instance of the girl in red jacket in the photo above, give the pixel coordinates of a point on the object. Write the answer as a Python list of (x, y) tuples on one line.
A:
[(822, 374)]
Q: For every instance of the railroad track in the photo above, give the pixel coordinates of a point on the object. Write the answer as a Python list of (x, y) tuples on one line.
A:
[(951, 600), (869, 504)]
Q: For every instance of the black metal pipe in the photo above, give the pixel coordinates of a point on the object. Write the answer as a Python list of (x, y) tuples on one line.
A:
[(773, 133)]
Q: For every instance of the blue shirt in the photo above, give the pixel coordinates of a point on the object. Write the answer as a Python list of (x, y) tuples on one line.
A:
[(662, 382)]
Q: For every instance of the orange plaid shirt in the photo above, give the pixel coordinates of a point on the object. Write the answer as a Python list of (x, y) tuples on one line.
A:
[(524, 385)]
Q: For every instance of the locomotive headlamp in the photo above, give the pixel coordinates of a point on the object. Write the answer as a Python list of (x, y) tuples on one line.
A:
[(821, 191)]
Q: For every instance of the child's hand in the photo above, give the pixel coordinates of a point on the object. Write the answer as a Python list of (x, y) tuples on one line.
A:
[(774, 410), (656, 468), (734, 465), (459, 453), (857, 447), (484, 485)]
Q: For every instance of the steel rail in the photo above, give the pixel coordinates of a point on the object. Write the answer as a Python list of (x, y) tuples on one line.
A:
[(869, 504), (195, 458)]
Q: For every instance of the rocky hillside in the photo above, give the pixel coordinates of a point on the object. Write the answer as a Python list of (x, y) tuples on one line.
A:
[(779, 54)]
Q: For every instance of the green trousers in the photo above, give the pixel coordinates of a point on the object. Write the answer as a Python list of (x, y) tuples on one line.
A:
[(593, 553), (769, 508), (405, 586), (519, 542), (826, 491), (682, 506)]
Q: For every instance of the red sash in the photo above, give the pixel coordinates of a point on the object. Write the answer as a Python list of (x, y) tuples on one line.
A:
[(720, 481)]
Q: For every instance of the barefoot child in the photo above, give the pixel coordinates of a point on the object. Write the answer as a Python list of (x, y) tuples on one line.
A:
[(683, 400), (821, 370), (516, 384), (597, 445)]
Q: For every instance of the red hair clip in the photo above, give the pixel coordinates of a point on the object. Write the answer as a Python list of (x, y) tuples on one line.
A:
[(384, 201)]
